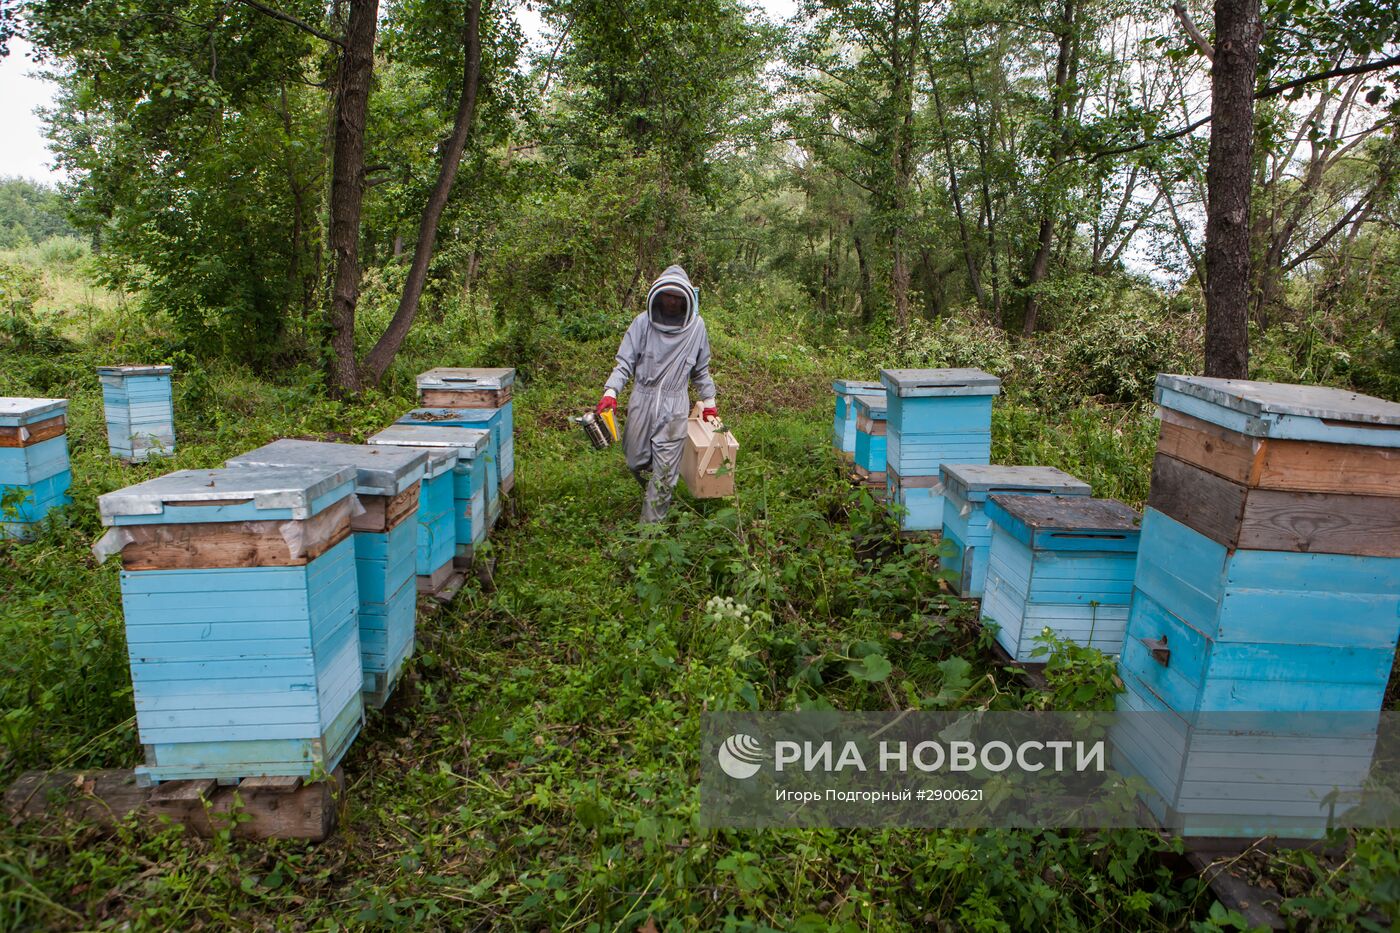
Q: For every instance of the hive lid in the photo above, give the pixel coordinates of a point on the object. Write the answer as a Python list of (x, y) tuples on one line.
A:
[(1074, 513), (468, 442), (856, 387), (999, 478), (911, 383), (877, 405), (17, 411), (453, 377), (379, 471), (294, 488), (135, 370), (1268, 400)]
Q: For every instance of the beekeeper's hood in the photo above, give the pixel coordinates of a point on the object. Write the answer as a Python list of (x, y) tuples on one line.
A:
[(673, 281)]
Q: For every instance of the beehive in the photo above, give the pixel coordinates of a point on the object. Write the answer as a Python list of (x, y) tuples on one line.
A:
[(489, 420), (437, 526), (1268, 582), (34, 468), (870, 440), (1059, 562), (843, 429), (967, 534), (140, 413), (239, 595), (471, 482), (387, 482), (935, 416), (486, 388)]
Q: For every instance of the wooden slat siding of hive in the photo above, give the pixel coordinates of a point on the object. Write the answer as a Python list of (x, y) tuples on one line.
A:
[(1273, 520), (922, 481), (464, 398), (385, 513), (222, 545), (1291, 466), (47, 429)]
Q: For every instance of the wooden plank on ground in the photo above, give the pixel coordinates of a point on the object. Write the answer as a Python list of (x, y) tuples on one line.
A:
[(1234, 892)]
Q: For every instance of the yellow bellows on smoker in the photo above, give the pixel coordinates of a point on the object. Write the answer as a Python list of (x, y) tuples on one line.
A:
[(610, 420)]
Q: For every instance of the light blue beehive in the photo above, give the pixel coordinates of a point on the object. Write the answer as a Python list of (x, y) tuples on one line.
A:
[(488, 420), (871, 427), (472, 482), (967, 533), (935, 416), (385, 535), (1059, 562), (140, 413), (437, 526), (843, 428), (244, 649), (487, 388), (34, 468), (1299, 642)]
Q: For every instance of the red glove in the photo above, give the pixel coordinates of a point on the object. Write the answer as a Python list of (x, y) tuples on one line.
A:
[(710, 414), (606, 403)]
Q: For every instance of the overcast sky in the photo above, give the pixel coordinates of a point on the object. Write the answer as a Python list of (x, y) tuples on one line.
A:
[(24, 151)]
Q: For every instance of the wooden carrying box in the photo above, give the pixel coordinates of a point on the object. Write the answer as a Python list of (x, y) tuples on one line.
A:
[(34, 467), (487, 388), (708, 459), (240, 601), (967, 532), (387, 482), (139, 410), (933, 417), (1059, 562)]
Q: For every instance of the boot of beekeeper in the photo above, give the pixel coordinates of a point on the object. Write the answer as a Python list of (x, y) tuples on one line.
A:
[(665, 351)]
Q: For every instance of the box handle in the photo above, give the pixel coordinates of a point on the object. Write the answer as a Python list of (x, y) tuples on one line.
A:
[(1158, 649)]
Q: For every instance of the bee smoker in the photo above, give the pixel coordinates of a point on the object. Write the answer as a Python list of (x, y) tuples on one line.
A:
[(601, 430)]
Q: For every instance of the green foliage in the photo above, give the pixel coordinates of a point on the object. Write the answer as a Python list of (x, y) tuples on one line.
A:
[(31, 213)]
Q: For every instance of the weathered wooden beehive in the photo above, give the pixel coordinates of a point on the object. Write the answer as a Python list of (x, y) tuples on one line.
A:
[(387, 483), (472, 482), (935, 416), (869, 466), (488, 420), (485, 388), (843, 429), (967, 533), (1059, 562), (437, 524), (34, 469), (1267, 582), (140, 412), (240, 601)]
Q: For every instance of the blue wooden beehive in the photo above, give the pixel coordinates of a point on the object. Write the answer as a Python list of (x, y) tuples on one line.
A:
[(935, 416), (385, 529), (140, 413), (34, 469), (240, 601), (471, 482), (870, 438), (488, 388), (489, 420), (437, 525), (1059, 562), (967, 533), (1267, 586), (843, 428)]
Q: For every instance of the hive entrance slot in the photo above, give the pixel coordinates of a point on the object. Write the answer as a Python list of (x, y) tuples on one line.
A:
[(1341, 423), (1087, 534), (207, 502)]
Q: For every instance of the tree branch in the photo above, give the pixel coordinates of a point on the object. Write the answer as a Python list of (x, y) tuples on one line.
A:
[(1189, 25), (289, 18)]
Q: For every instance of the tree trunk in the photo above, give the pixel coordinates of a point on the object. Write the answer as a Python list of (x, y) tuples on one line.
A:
[(348, 186), (1238, 32), (388, 345)]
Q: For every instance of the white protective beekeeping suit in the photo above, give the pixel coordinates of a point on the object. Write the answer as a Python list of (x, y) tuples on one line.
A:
[(661, 357)]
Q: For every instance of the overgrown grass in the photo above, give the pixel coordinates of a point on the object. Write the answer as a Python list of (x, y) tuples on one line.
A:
[(539, 769)]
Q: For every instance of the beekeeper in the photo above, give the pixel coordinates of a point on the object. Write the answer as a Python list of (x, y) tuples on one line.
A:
[(665, 347)]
